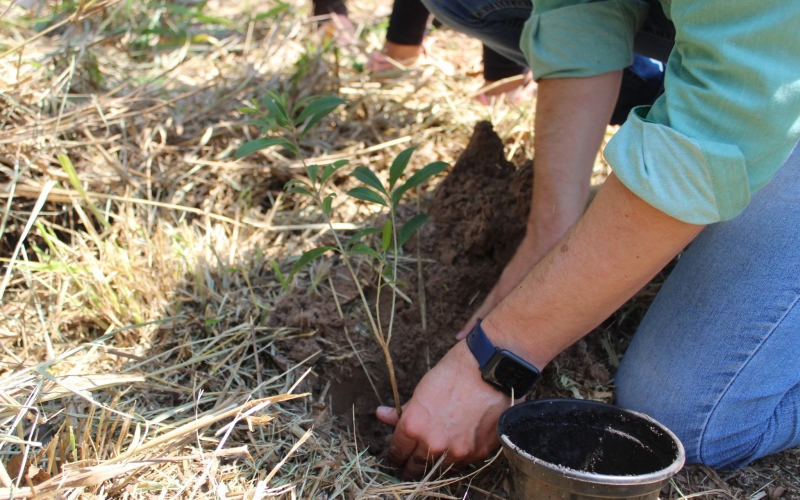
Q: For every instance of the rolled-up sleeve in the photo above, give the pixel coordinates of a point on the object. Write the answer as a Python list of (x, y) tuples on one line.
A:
[(580, 38), (730, 114)]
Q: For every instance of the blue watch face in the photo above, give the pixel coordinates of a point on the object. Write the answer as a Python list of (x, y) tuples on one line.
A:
[(511, 373), (500, 368)]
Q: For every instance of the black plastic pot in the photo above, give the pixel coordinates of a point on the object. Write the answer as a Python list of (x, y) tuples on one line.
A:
[(574, 449)]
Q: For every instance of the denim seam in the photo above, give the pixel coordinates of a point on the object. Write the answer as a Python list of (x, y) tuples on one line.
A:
[(733, 379)]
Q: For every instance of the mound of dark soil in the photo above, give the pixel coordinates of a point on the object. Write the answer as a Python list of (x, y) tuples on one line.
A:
[(478, 218)]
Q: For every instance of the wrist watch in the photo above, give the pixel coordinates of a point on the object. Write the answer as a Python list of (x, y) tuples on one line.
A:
[(501, 369)]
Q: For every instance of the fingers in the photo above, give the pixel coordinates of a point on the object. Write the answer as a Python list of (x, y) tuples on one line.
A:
[(422, 461), (401, 447), (387, 415), (418, 464), (479, 314), (453, 413)]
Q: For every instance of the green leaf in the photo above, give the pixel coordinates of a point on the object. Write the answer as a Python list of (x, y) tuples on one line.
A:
[(308, 257), (418, 178), (294, 182), (279, 274), (326, 104), (386, 239), (317, 110), (410, 227), (399, 166), (362, 233), (301, 190), (360, 248), (277, 109), (367, 194), (326, 204), (246, 110), (265, 125), (302, 102), (251, 147), (331, 168), (312, 171), (369, 178), (280, 99)]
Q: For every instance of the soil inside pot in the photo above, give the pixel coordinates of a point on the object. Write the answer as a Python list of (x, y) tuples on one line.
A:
[(609, 443)]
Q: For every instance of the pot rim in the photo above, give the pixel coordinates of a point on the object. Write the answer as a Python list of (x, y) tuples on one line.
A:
[(589, 477)]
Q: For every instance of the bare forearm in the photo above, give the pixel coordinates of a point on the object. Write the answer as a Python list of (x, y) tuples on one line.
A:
[(571, 118), (615, 249)]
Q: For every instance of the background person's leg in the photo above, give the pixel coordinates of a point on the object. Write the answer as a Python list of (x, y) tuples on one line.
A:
[(498, 67), (323, 7), (408, 23), (717, 357)]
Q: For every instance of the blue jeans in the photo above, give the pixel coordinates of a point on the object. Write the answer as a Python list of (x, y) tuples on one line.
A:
[(498, 24), (717, 357)]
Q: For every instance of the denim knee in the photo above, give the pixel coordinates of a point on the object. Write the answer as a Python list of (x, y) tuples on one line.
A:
[(717, 358), (662, 406), (634, 393), (714, 439)]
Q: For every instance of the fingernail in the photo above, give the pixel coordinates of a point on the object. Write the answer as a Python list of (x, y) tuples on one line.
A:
[(460, 335), (384, 411)]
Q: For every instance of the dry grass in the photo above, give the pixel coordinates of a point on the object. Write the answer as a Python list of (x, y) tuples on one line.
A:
[(137, 276)]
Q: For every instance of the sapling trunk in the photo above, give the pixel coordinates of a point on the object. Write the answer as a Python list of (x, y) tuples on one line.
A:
[(382, 342), (385, 342), (394, 277)]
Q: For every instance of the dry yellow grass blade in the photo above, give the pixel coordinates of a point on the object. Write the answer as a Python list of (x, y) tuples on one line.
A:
[(42, 197), (85, 383), (66, 195), (205, 421)]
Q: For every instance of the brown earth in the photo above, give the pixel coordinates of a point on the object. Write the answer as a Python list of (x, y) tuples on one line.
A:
[(478, 218)]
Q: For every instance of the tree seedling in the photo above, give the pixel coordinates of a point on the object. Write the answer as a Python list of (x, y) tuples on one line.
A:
[(274, 112)]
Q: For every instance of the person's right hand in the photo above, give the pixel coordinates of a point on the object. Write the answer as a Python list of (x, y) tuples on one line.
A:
[(527, 255)]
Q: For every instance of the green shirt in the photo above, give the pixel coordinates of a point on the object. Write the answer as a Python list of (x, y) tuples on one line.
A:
[(730, 113)]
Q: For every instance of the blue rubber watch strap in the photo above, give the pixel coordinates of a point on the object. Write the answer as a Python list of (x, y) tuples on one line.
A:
[(480, 345)]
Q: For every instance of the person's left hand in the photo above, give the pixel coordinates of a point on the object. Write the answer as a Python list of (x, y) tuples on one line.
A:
[(453, 410)]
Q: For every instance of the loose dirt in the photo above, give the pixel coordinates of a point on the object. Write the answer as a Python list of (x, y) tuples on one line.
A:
[(478, 216)]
